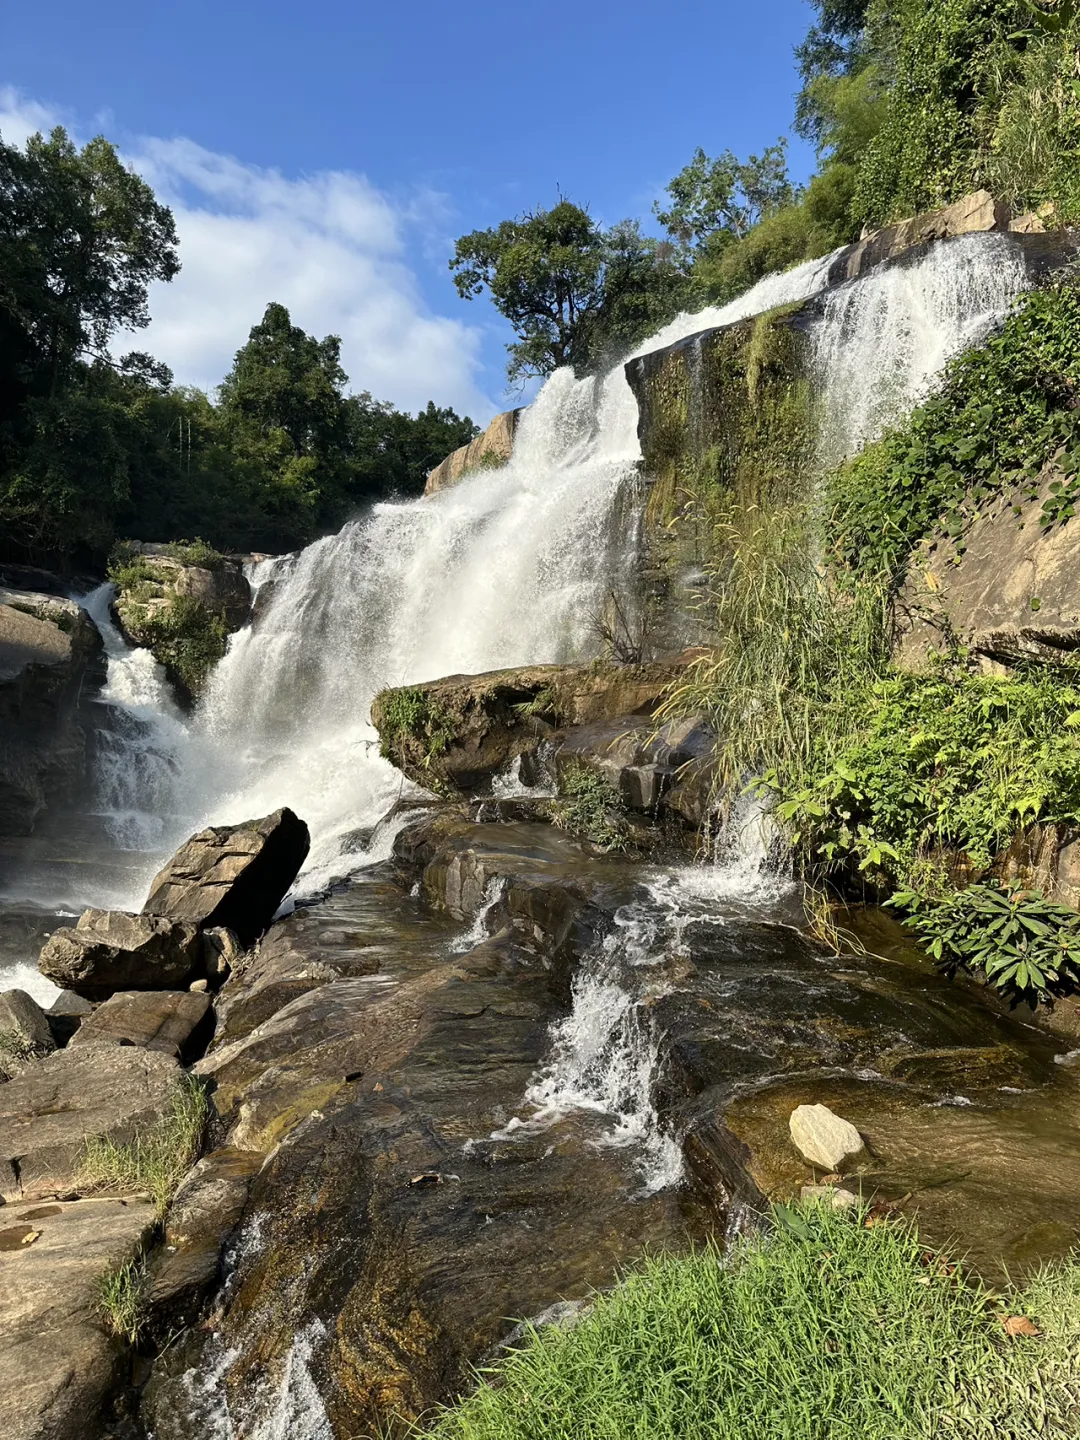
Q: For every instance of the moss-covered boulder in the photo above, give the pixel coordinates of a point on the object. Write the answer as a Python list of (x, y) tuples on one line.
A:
[(181, 602), (456, 734)]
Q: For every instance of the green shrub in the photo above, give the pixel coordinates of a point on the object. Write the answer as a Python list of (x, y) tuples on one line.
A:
[(1022, 944), (935, 763), (187, 637), (822, 1328), (1003, 410), (195, 552), (591, 808), (158, 1158)]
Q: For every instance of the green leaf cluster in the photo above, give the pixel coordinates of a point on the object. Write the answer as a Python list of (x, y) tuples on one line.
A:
[(411, 718), (1024, 946), (590, 807), (938, 765)]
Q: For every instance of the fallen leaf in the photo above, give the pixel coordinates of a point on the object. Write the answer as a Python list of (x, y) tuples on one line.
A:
[(30, 1237), (376, 1087), (429, 1177), (1019, 1325)]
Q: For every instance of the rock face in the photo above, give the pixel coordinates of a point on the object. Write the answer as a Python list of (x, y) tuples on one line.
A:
[(232, 876), (49, 1111), (459, 732), (24, 1032), (109, 951), (647, 766), (978, 212), (492, 448), (824, 1139), (173, 1021), (56, 1363), (49, 651), (1010, 596)]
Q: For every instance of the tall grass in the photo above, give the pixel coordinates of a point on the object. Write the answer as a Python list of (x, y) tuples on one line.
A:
[(823, 1329), (795, 653), (157, 1159)]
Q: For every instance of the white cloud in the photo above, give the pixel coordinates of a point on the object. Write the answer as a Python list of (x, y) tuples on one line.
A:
[(330, 246)]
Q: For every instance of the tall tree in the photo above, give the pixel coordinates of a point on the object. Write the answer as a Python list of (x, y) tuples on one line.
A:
[(721, 200)]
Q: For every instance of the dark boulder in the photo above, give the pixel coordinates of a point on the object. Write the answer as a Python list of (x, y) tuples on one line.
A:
[(232, 876), (108, 951)]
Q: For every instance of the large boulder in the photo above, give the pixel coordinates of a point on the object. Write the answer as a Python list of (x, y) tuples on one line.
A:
[(49, 1112), (108, 950), (24, 1032), (48, 650), (232, 876), (175, 1021), (57, 1364), (181, 602), (458, 733)]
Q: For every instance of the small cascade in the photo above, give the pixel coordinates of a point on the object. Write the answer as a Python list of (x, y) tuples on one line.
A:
[(882, 338)]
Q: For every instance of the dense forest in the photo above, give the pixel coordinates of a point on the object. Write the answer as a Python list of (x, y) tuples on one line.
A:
[(95, 448)]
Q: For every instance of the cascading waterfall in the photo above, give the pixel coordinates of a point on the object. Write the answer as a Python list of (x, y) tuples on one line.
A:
[(507, 568)]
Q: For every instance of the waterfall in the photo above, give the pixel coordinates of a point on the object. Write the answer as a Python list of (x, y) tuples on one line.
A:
[(509, 567)]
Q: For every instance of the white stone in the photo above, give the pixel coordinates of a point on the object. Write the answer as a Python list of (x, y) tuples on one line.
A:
[(837, 1197), (824, 1139)]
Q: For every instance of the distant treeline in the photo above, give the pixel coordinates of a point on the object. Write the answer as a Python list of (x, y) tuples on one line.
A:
[(93, 449), (910, 103)]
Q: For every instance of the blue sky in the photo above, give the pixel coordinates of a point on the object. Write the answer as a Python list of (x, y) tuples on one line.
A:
[(327, 154)]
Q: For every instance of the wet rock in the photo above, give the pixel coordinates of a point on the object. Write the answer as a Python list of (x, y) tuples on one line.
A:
[(109, 950), (232, 876), (823, 1139), (459, 732), (222, 953), (642, 762), (177, 1022), (57, 1365), (48, 1112), (204, 1212), (834, 1195), (24, 1031), (49, 652), (978, 212)]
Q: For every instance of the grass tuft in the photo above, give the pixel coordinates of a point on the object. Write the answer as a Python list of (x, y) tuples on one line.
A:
[(821, 1329), (156, 1160), (122, 1300)]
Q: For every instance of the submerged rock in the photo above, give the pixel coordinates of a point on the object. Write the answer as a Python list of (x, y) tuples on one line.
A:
[(49, 1112), (109, 950), (232, 876), (823, 1139), (176, 1022), (24, 1031), (57, 1364)]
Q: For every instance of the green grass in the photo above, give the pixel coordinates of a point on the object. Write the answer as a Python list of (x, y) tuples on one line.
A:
[(156, 1160), (591, 808), (122, 1300), (821, 1330)]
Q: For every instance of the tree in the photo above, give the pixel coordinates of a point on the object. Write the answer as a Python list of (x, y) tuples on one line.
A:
[(834, 46), (81, 239), (573, 291), (717, 201)]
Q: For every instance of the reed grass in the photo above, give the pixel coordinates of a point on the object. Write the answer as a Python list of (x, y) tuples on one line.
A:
[(157, 1159)]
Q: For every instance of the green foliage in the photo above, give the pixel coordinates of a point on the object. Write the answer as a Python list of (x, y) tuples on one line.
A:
[(942, 62), (195, 552), (591, 808), (1025, 946), (411, 716), (573, 292), (1002, 411), (187, 637), (821, 1327), (935, 764), (157, 1159), (722, 200)]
